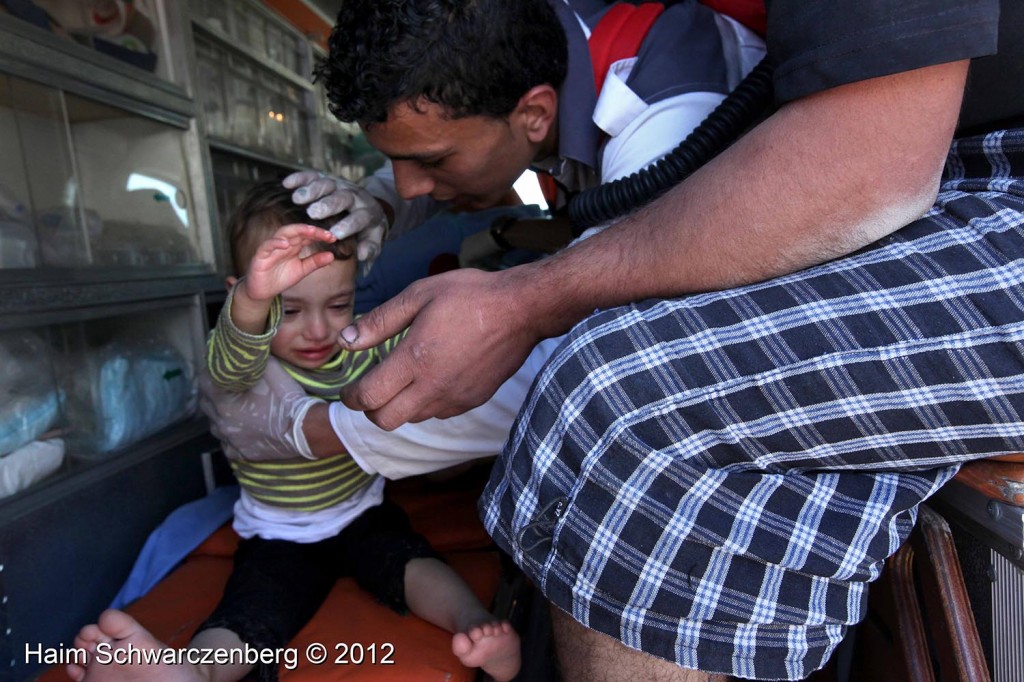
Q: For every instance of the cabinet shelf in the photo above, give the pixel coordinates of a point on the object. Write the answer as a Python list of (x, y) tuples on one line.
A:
[(111, 257), (79, 478), (85, 298), (107, 253), (233, 149), (225, 40)]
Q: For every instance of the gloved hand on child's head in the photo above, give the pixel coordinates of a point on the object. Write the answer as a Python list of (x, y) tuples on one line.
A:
[(361, 214)]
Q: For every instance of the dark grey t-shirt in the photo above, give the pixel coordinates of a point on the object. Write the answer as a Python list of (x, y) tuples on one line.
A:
[(818, 44)]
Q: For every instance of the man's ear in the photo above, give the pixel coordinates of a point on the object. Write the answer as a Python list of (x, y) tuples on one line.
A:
[(230, 281), (538, 109)]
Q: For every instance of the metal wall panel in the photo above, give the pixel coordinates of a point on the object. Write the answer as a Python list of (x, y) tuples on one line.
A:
[(1007, 620)]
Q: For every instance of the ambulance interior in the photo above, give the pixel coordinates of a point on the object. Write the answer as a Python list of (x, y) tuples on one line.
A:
[(128, 131)]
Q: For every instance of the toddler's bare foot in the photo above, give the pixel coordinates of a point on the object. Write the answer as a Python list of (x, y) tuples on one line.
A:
[(122, 638), (492, 646)]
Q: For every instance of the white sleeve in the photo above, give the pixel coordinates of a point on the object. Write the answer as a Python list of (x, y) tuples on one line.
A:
[(436, 444), (408, 214), (642, 133)]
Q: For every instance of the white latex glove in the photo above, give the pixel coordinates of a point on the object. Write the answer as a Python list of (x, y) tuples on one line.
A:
[(329, 196), (263, 423)]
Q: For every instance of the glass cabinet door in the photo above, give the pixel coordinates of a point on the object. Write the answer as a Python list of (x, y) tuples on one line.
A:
[(134, 187), (85, 184), (36, 170), (77, 393), (129, 31), (211, 62)]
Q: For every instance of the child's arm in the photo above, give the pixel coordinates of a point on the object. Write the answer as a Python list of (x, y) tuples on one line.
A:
[(321, 439), (276, 266), (235, 359)]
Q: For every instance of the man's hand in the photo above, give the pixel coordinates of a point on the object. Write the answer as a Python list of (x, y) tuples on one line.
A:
[(467, 335), (263, 423), (360, 213)]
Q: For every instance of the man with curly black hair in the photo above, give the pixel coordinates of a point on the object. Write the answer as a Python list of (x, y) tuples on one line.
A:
[(768, 369), (463, 97), (471, 58), (483, 69)]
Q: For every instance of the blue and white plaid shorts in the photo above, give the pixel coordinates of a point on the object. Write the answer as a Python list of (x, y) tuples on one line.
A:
[(716, 479)]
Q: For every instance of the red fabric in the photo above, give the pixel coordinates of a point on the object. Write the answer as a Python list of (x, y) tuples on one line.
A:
[(620, 32), (349, 618), (618, 35), (549, 188), (750, 13)]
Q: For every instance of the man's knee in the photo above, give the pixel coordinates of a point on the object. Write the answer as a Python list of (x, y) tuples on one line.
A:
[(585, 654)]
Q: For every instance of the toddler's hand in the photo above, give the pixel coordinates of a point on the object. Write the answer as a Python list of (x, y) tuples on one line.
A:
[(278, 264)]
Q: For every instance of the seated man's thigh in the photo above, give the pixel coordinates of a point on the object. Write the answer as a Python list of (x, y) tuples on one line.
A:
[(734, 467)]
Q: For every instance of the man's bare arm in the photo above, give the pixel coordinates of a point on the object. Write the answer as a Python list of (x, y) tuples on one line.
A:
[(823, 177)]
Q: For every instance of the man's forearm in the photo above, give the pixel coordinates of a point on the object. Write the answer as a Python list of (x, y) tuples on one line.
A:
[(821, 178)]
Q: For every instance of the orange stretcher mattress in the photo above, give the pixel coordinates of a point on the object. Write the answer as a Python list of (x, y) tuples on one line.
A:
[(363, 640)]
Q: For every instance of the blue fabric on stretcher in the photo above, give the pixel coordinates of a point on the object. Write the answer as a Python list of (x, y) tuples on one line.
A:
[(182, 531)]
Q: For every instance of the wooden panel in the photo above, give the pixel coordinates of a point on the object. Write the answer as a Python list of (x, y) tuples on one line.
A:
[(998, 480)]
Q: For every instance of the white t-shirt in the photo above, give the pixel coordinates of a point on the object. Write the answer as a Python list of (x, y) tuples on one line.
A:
[(254, 518)]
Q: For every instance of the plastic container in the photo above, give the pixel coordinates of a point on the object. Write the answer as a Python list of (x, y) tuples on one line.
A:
[(30, 400), (127, 384)]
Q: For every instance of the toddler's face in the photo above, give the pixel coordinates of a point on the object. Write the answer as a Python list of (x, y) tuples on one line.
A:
[(315, 310)]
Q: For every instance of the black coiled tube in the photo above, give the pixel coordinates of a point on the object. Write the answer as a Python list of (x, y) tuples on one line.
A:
[(722, 126)]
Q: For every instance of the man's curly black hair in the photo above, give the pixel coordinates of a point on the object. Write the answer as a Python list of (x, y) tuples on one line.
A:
[(471, 57)]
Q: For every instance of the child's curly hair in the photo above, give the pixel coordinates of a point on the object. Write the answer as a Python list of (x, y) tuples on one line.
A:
[(472, 57), (266, 207)]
